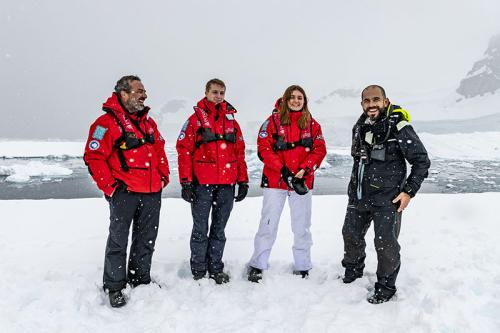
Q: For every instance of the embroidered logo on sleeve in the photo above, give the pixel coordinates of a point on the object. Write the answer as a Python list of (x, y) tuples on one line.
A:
[(94, 145), (263, 129), (99, 132)]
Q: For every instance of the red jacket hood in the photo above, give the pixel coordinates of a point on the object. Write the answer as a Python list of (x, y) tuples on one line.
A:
[(211, 107), (277, 104), (113, 103)]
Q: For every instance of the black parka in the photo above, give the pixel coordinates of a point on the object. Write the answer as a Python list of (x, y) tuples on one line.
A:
[(380, 151)]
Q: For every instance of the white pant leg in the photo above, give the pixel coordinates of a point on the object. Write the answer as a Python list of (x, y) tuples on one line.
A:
[(273, 202), (300, 212)]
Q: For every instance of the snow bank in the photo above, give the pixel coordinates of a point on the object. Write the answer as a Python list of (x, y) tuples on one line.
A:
[(20, 173), (11, 149), (472, 146), (52, 257), (465, 146)]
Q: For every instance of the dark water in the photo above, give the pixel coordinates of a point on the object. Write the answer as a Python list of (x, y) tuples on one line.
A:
[(446, 176)]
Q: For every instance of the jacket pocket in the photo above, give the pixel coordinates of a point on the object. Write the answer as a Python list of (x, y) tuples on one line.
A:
[(229, 172)]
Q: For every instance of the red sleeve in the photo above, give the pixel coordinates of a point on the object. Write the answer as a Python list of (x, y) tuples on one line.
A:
[(185, 148), (98, 148), (240, 156), (159, 148), (265, 143), (318, 151)]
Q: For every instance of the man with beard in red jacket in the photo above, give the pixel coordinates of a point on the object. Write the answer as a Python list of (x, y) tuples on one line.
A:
[(126, 158), (211, 162)]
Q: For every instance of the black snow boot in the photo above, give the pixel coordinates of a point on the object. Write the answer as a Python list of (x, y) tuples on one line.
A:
[(382, 294), (116, 299), (254, 274), (304, 274), (198, 275), (219, 277), (351, 275)]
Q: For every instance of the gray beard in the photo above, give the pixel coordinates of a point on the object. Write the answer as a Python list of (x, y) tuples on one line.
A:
[(134, 107)]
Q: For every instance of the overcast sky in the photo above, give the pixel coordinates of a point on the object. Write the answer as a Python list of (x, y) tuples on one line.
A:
[(60, 59)]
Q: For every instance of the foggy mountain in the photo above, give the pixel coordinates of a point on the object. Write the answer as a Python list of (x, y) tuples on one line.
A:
[(484, 77)]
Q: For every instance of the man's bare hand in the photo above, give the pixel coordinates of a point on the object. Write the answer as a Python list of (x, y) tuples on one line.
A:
[(404, 200)]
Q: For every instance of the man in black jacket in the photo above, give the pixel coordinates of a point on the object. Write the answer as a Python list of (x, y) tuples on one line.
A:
[(379, 190)]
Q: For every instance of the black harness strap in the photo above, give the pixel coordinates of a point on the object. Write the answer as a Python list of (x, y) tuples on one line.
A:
[(207, 135), (128, 140), (281, 144)]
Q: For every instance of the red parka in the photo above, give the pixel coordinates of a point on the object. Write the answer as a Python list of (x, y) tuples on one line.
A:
[(295, 158), (215, 162), (147, 164)]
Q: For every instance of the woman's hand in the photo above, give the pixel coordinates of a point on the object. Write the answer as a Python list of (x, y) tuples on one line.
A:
[(300, 173)]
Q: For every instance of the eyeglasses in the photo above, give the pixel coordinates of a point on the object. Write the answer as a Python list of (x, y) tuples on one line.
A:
[(138, 91)]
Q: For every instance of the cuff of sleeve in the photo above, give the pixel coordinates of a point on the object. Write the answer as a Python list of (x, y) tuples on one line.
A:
[(242, 180), (109, 189), (307, 169), (409, 190)]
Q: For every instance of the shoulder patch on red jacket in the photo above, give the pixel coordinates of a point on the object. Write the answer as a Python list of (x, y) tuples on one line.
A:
[(94, 145)]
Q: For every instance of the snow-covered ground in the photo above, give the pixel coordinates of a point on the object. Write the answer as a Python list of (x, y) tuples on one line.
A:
[(52, 258), (460, 146)]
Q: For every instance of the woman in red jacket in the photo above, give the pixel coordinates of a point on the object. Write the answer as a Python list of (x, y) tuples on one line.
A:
[(292, 146)]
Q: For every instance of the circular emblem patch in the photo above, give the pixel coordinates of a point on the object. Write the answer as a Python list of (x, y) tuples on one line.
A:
[(181, 136), (94, 145), (263, 135)]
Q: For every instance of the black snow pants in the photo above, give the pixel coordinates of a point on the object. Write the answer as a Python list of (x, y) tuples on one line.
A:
[(207, 247), (387, 223), (144, 210)]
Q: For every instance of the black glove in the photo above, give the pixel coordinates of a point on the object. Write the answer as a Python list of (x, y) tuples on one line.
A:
[(299, 186), (287, 176), (242, 192), (187, 192)]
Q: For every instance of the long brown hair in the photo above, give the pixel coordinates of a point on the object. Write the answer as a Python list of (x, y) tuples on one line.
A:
[(284, 110)]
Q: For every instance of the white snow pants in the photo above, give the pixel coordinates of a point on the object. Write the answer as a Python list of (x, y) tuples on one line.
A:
[(300, 212)]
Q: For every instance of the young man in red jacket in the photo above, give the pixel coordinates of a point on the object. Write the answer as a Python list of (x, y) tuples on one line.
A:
[(211, 153), (126, 158)]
